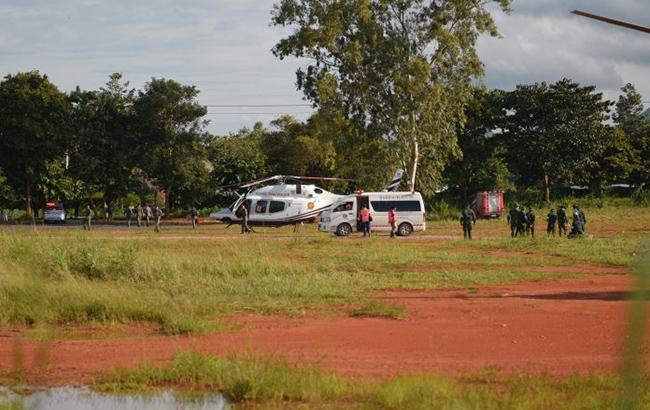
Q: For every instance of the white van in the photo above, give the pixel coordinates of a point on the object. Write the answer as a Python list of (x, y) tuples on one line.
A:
[(341, 217)]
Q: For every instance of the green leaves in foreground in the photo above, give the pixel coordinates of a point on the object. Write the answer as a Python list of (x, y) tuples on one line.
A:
[(254, 379)]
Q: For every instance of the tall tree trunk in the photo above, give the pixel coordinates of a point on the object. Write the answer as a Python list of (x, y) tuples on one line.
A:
[(547, 188), (168, 199), (414, 165)]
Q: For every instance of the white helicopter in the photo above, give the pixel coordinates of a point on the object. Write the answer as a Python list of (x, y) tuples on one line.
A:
[(283, 203)]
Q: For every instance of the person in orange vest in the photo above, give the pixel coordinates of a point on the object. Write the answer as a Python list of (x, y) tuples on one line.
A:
[(392, 220), (365, 218)]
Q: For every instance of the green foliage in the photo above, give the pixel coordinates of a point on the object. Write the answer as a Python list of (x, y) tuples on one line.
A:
[(103, 151), (553, 132), (636, 127), (238, 158), (34, 130), (172, 138), (401, 71), (482, 166)]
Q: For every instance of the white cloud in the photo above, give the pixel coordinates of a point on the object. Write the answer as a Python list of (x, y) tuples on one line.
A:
[(223, 47)]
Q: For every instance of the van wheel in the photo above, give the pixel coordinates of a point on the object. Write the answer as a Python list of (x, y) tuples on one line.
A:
[(343, 230), (405, 229)]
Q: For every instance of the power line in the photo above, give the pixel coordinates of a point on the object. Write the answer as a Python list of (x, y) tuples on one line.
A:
[(260, 113), (255, 105)]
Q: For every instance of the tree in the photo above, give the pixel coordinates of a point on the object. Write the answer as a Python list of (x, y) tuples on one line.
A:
[(172, 137), (290, 149), (400, 69), (613, 162), (103, 151), (238, 158), (553, 133), (34, 129), (482, 166), (629, 117)]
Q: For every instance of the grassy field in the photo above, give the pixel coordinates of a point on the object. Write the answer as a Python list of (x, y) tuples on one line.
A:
[(248, 381), (183, 281)]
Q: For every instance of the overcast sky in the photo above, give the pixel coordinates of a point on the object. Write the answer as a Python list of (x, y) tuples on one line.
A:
[(223, 47)]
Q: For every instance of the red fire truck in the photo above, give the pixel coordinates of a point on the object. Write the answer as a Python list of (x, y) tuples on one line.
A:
[(489, 204)]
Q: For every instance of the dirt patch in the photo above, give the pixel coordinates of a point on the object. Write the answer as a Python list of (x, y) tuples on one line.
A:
[(559, 327), (583, 268)]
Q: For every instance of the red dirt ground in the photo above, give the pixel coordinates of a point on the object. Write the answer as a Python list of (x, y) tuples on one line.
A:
[(558, 327)]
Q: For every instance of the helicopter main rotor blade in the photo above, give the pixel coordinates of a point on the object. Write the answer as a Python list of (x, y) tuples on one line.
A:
[(299, 178), (249, 184), (612, 21)]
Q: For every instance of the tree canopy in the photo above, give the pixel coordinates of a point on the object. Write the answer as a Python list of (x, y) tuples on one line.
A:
[(401, 70)]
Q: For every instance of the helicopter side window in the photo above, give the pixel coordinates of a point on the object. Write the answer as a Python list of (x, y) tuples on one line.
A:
[(276, 206), (344, 207), (260, 207), (318, 191)]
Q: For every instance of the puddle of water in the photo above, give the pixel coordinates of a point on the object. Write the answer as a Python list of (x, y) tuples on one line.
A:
[(74, 398)]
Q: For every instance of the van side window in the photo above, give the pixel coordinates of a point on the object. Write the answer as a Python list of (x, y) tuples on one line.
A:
[(402, 206), (276, 206), (343, 207), (260, 207)]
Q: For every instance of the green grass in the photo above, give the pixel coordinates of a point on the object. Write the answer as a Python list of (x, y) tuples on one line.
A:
[(183, 283), (251, 380), (376, 308)]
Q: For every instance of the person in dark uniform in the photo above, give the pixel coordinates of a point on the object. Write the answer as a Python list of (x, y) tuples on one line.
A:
[(562, 221), (551, 221), (194, 214), (578, 223), (157, 214), (467, 220), (128, 212), (513, 220), (530, 222)]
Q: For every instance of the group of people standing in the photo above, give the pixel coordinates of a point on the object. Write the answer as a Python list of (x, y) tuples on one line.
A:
[(522, 221), (143, 215), (561, 220)]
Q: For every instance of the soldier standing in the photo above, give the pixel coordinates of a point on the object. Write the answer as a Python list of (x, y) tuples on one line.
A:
[(467, 220), (562, 221), (128, 212), (577, 226), (513, 220), (243, 214), (5, 217), (88, 218), (583, 220), (139, 213), (194, 214), (530, 222), (551, 220), (157, 214)]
